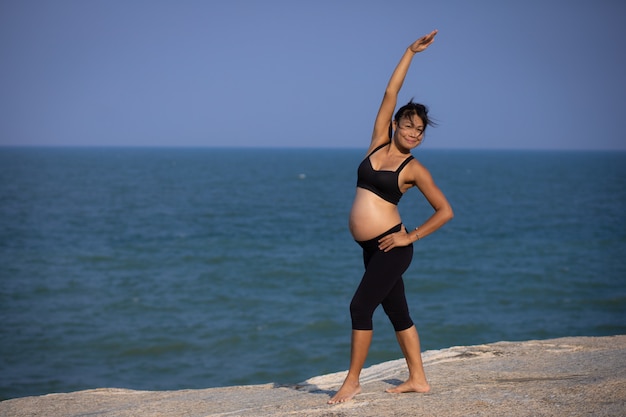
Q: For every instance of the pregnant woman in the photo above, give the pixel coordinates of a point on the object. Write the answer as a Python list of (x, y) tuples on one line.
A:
[(386, 173)]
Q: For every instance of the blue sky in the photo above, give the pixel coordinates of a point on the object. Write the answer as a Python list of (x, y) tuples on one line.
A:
[(531, 74)]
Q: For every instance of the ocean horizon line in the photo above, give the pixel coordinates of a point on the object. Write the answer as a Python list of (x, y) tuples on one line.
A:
[(298, 148)]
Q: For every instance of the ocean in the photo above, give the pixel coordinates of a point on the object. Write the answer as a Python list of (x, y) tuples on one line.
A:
[(167, 269)]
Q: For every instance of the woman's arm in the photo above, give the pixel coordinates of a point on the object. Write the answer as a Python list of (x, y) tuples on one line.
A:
[(380, 134), (438, 201), (422, 179)]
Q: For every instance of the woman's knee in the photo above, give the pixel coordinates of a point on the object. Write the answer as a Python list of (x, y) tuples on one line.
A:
[(400, 320), (361, 315), (397, 309)]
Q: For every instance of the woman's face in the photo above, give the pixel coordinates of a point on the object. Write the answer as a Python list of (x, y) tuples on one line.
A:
[(409, 131)]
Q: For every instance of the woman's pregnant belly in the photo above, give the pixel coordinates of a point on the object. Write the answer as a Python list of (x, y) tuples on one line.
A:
[(371, 215)]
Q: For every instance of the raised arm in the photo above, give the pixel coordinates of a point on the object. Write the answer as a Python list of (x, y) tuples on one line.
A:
[(380, 134)]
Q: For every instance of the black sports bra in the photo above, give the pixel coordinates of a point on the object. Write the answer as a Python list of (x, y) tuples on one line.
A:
[(382, 183)]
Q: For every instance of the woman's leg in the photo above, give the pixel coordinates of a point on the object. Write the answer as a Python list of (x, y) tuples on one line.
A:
[(361, 340), (382, 284), (410, 344), (383, 270)]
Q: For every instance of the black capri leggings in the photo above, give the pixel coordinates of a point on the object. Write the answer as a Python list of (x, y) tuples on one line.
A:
[(382, 284)]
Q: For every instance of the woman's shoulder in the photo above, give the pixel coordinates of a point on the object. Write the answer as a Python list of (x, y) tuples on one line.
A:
[(416, 169)]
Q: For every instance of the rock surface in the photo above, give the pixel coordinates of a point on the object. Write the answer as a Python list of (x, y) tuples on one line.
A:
[(575, 376)]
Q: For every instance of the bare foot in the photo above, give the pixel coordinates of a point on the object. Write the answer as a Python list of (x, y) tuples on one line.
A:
[(409, 386), (346, 393)]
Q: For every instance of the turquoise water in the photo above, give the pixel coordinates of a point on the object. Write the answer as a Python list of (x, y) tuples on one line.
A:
[(164, 269)]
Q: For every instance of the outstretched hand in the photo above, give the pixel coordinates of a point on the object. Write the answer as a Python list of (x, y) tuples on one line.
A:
[(423, 42)]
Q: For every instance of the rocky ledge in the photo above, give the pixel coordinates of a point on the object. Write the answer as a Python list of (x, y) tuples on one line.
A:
[(573, 376)]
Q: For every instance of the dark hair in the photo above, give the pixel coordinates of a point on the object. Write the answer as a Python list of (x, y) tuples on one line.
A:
[(413, 109)]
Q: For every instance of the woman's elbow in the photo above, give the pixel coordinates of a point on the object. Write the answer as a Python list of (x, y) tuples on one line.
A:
[(448, 213)]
